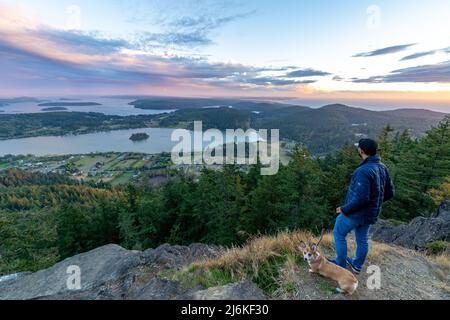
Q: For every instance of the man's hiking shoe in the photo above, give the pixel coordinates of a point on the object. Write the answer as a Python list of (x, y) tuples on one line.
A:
[(352, 266)]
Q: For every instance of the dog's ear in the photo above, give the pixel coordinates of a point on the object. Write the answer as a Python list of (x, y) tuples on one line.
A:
[(302, 245), (314, 248)]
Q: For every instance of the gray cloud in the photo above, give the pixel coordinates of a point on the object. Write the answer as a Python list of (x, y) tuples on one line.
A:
[(285, 68), (188, 31), (276, 81), (147, 40), (384, 51), (424, 54), (307, 73), (438, 73), (207, 23), (84, 42), (418, 55)]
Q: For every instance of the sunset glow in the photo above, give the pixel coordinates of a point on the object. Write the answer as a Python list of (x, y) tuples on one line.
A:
[(363, 53)]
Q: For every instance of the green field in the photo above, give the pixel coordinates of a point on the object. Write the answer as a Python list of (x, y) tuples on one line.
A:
[(116, 168)]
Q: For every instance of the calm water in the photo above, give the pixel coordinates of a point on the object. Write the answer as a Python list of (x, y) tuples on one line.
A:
[(112, 141), (118, 141), (109, 106)]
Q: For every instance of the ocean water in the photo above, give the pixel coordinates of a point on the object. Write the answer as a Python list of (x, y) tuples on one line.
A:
[(109, 106)]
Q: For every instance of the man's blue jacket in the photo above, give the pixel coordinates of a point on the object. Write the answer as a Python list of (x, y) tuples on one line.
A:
[(371, 185)]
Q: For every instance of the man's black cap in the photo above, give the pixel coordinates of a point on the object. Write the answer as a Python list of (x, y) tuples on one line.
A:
[(369, 146)]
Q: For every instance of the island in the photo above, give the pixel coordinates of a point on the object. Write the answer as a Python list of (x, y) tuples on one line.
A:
[(139, 137), (54, 109), (68, 104), (18, 100)]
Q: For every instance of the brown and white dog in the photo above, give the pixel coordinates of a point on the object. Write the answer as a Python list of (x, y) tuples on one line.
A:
[(319, 264)]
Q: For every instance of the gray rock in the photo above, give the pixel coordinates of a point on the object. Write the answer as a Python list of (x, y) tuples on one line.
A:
[(12, 277), (244, 290), (157, 289), (418, 233), (97, 268), (170, 257), (108, 272)]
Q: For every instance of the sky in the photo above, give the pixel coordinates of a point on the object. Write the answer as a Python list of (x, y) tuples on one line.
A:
[(382, 53)]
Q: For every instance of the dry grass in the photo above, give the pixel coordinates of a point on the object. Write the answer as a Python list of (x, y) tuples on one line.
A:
[(257, 251), (442, 260), (443, 271)]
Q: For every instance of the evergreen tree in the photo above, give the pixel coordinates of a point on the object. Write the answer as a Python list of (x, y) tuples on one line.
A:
[(74, 231)]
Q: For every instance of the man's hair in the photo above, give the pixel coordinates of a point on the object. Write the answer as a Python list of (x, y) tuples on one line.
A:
[(369, 146)]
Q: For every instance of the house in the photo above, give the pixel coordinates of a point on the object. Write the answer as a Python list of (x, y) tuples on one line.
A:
[(92, 172)]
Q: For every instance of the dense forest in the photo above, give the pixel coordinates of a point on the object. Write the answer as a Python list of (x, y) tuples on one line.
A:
[(62, 123), (46, 218)]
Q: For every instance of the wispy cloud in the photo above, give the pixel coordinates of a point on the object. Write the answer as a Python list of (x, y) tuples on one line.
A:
[(384, 51), (435, 73), (277, 81), (148, 41), (303, 73), (425, 53), (207, 23), (188, 31)]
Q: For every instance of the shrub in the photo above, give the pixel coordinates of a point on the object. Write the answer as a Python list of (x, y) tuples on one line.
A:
[(437, 247)]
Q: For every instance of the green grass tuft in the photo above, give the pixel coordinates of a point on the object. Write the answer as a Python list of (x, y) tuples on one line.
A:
[(437, 247)]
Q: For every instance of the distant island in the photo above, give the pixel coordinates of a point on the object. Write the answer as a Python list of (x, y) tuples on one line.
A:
[(139, 137), (54, 109), (5, 102), (69, 104)]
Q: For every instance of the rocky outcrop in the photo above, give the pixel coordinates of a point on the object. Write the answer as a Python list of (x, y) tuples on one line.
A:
[(108, 272), (158, 289), (169, 257), (97, 267), (418, 233), (244, 290)]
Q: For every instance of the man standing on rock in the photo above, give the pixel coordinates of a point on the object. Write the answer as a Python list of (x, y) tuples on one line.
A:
[(370, 186)]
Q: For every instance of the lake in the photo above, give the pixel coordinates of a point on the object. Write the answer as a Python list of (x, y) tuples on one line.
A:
[(117, 141), (111, 141), (109, 106)]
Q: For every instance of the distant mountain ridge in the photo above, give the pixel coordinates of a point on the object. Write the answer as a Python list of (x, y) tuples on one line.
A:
[(327, 128), (323, 130)]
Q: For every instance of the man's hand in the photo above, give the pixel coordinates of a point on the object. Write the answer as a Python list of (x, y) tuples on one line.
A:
[(339, 211)]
